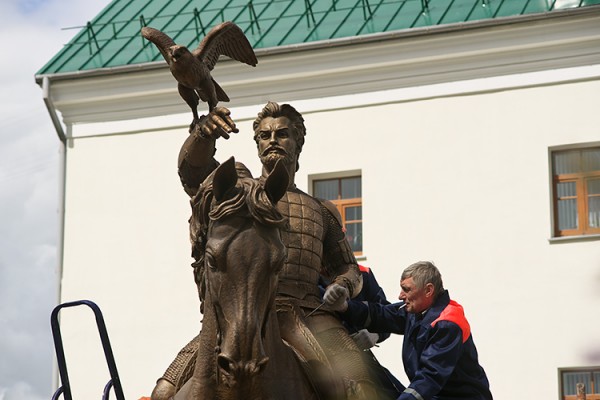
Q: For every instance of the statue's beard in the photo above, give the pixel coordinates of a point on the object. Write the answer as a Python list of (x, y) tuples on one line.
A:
[(274, 153)]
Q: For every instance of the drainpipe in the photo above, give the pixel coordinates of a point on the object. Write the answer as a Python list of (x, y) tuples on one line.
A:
[(61, 201), (52, 111)]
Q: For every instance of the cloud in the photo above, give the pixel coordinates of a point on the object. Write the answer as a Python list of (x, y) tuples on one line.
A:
[(29, 192), (19, 391)]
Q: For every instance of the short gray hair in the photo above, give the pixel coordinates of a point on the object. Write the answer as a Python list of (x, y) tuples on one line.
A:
[(424, 272)]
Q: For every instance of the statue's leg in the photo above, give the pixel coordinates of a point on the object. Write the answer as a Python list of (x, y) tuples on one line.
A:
[(344, 356), (178, 373), (195, 373), (309, 353)]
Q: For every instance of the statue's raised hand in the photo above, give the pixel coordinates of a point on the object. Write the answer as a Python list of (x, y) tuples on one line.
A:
[(216, 124)]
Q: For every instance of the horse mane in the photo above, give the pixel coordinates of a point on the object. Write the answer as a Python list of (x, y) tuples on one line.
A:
[(248, 193), (247, 196)]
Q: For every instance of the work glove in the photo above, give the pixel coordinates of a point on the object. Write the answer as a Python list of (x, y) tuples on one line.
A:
[(335, 297), (365, 339)]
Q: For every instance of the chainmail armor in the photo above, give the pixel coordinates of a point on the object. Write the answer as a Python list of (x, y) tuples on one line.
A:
[(304, 241), (182, 367)]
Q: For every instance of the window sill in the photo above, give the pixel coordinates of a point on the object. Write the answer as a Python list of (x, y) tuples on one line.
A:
[(580, 238)]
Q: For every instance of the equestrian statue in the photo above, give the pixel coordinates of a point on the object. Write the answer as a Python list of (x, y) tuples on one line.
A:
[(259, 247)]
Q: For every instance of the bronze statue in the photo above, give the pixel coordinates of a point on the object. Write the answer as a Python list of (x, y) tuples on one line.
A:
[(240, 354), (315, 244), (192, 69)]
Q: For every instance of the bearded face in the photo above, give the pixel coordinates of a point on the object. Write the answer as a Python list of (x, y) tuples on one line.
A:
[(275, 141), (273, 153)]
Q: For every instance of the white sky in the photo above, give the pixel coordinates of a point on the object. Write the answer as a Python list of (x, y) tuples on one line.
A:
[(29, 149)]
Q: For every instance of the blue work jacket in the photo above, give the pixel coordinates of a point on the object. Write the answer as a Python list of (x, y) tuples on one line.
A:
[(439, 355)]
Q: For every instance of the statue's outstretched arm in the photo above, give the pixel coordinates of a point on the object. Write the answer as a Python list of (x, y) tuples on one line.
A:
[(196, 157)]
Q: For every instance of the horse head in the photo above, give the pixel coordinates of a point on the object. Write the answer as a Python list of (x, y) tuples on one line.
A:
[(243, 254)]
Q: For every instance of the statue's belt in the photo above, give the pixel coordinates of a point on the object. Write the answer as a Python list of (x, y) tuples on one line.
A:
[(299, 290)]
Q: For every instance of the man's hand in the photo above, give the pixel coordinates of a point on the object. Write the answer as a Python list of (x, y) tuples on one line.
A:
[(365, 339), (335, 297), (217, 123)]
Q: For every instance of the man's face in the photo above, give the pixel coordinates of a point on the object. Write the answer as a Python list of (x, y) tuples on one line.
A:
[(416, 299), (275, 140)]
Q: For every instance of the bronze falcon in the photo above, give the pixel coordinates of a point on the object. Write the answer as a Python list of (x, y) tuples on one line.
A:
[(192, 69)]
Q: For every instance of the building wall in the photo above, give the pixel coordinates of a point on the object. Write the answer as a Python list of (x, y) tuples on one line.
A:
[(460, 178)]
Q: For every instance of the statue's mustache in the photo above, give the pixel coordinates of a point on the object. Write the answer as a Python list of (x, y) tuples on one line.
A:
[(269, 149)]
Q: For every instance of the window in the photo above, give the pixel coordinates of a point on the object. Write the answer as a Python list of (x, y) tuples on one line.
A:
[(574, 382), (576, 191), (346, 194)]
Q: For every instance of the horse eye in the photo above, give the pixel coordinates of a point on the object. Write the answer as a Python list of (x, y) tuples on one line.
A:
[(209, 261)]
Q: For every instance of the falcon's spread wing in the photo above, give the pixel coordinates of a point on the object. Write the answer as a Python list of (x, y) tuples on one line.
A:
[(160, 39), (225, 39)]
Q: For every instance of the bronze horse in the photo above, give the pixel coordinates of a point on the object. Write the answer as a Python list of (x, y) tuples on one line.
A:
[(241, 354)]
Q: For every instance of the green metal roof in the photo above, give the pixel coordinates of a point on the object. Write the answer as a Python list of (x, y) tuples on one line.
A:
[(113, 39)]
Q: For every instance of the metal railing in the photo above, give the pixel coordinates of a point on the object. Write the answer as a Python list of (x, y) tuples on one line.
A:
[(65, 388)]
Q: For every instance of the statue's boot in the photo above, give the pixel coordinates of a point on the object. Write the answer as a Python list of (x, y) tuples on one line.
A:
[(178, 373), (164, 390)]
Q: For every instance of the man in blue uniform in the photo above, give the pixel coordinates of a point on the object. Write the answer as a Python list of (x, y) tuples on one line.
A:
[(439, 355)]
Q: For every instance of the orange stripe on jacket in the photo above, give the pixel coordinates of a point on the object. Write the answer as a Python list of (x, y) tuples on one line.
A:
[(363, 268), (455, 313)]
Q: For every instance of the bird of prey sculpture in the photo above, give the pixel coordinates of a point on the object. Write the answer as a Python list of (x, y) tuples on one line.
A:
[(192, 69)]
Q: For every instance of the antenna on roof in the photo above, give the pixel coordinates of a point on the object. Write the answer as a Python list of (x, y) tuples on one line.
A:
[(366, 6), (91, 36), (143, 24), (309, 11), (253, 17), (197, 21)]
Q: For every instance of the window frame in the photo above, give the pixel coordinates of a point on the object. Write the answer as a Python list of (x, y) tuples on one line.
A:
[(591, 371), (581, 195), (341, 204)]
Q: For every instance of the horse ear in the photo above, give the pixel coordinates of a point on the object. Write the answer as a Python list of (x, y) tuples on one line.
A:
[(225, 178), (277, 182)]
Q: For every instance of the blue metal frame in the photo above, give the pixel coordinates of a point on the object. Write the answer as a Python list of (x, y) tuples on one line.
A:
[(65, 389)]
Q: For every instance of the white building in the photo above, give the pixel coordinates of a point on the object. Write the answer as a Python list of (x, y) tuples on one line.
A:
[(463, 134)]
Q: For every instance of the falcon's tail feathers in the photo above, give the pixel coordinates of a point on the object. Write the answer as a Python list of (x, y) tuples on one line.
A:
[(221, 95)]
